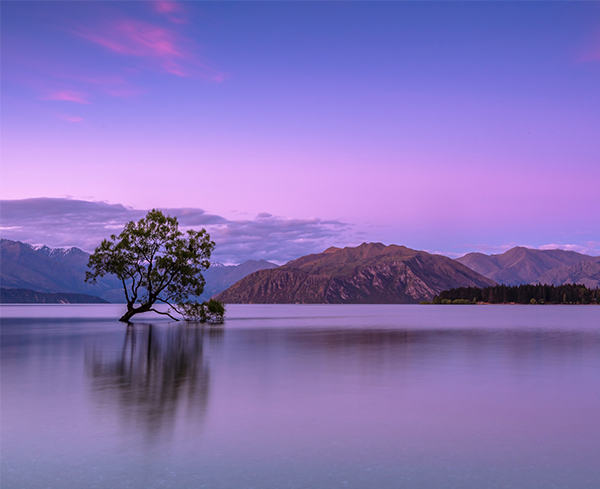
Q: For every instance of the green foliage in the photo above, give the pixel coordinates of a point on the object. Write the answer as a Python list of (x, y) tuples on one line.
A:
[(211, 311), (155, 263), (461, 301), (521, 294)]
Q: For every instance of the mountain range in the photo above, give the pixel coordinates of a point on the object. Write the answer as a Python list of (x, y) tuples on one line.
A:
[(584, 272), (62, 270), (520, 266), (52, 270), (369, 273)]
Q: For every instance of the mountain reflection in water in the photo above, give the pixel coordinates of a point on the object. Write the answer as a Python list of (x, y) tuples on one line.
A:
[(160, 375)]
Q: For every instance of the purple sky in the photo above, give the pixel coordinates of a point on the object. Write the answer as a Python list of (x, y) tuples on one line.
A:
[(443, 126)]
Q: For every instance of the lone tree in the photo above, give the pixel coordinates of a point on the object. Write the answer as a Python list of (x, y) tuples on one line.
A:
[(158, 263)]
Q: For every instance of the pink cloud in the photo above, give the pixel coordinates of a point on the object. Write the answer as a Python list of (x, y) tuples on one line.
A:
[(67, 96), (568, 247), (173, 10), (167, 7), (135, 38), (71, 118), (141, 39), (160, 46), (174, 68)]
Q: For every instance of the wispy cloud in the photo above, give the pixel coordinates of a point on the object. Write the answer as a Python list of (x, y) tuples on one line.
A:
[(279, 239), (67, 222), (135, 38), (67, 96), (140, 39), (153, 37), (164, 48), (588, 248), (168, 7), (70, 118), (173, 10)]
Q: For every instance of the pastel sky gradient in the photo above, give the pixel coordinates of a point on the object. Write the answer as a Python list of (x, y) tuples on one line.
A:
[(443, 126)]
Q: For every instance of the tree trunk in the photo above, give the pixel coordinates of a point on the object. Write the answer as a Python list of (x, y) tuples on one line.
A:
[(131, 311), (127, 316)]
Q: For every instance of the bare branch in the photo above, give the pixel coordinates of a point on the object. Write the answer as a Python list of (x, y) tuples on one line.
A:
[(164, 313)]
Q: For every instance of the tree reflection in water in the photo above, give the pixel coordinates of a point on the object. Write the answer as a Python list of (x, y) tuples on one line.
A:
[(160, 375)]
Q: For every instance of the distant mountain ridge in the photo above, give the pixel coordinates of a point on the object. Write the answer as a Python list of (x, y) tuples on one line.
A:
[(369, 273), (26, 296), (520, 265), (48, 270), (584, 272), (219, 277), (62, 270)]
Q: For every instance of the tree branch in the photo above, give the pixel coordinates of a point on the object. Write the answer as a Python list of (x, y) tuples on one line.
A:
[(125, 288), (134, 288), (163, 285), (164, 313)]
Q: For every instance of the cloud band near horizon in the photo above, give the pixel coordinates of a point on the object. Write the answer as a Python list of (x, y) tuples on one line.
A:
[(63, 222), (59, 222)]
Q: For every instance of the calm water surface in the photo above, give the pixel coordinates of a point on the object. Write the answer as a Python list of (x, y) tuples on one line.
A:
[(303, 397)]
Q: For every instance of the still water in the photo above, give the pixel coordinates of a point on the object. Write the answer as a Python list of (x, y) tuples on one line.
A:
[(300, 396)]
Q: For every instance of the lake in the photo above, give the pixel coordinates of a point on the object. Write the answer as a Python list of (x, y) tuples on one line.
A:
[(302, 396)]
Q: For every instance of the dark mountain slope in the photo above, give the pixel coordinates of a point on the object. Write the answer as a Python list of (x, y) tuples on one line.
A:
[(369, 273)]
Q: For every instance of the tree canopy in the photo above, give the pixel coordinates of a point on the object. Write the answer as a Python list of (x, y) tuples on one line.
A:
[(521, 294), (156, 262)]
